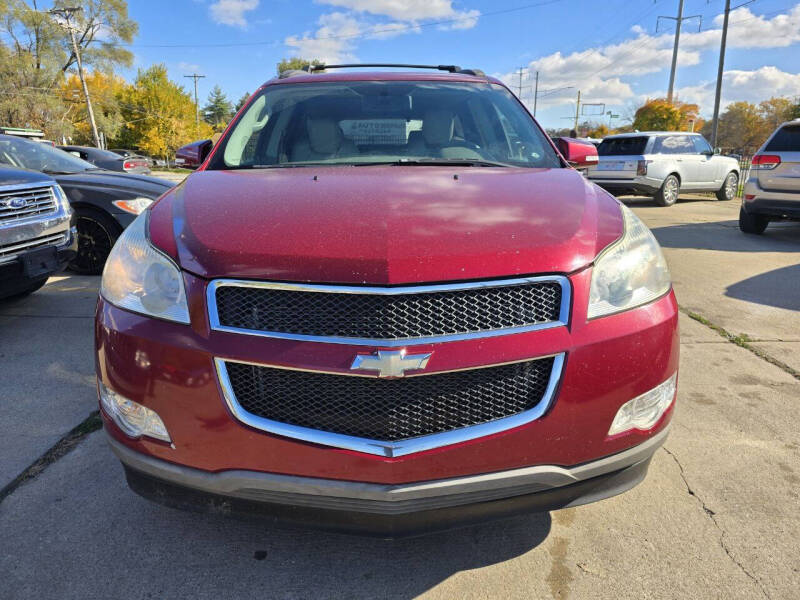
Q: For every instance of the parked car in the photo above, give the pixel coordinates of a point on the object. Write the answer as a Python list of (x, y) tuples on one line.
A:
[(661, 164), (105, 202), (584, 152), (369, 310), (772, 191), (191, 155), (37, 238), (111, 161)]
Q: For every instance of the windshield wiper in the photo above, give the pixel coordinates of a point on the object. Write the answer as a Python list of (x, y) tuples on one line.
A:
[(435, 162), (51, 172)]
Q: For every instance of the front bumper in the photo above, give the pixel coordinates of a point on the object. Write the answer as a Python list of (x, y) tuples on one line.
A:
[(387, 510), (641, 186), (13, 278), (778, 205)]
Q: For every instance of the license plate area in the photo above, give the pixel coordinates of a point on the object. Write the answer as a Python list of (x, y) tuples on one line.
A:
[(40, 261)]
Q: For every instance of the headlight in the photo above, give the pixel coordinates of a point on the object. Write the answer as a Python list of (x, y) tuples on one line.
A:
[(139, 278), (630, 272), (135, 206), (61, 196), (644, 411)]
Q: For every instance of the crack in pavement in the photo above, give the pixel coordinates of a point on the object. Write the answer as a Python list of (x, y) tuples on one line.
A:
[(713, 517), (743, 341), (57, 451)]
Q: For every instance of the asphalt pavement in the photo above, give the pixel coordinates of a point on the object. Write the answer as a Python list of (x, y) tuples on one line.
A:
[(717, 516)]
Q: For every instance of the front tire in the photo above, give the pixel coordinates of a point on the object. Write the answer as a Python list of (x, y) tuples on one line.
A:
[(754, 224), (730, 187), (667, 195), (97, 233)]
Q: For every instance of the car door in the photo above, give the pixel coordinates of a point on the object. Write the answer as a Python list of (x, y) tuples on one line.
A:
[(678, 151), (709, 166)]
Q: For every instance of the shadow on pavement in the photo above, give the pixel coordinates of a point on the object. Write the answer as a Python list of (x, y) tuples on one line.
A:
[(779, 288), (726, 237)]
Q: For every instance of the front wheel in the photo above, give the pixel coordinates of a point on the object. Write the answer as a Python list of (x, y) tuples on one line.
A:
[(667, 195), (755, 224), (97, 233), (729, 187)]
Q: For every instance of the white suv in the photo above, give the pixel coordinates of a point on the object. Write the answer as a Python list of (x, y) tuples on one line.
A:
[(661, 164), (772, 191)]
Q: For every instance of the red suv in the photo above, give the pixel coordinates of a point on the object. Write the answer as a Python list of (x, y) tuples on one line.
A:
[(385, 303)]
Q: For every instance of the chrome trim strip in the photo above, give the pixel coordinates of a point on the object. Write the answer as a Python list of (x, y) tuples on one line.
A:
[(378, 498), (383, 448), (213, 314)]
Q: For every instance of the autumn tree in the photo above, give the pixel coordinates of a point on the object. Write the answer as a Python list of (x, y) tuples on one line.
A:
[(218, 109), (776, 111), (296, 63), (159, 114), (740, 129), (105, 91), (660, 115)]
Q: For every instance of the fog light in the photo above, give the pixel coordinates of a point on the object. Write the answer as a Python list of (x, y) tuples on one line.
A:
[(644, 411), (131, 417)]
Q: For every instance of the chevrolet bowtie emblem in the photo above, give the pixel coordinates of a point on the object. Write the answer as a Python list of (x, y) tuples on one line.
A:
[(390, 363)]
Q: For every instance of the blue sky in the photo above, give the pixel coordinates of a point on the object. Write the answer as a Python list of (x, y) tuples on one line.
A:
[(612, 50)]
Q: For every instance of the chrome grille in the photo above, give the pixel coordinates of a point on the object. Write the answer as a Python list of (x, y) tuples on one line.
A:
[(389, 410), (371, 314), (10, 251), (33, 202)]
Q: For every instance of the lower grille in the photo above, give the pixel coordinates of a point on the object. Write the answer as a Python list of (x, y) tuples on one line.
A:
[(10, 251), (390, 409)]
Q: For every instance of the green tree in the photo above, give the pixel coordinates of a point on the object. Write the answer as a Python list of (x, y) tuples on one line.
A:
[(296, 63), (159, 114), (218, 109), (242, 101)]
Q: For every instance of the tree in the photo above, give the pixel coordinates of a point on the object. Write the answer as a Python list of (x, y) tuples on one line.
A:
[(105, 91), (660, 115), (774, 112), (159, 114), (740, 129), (242, 101), (218, 110), (102, 29), (296, 63)]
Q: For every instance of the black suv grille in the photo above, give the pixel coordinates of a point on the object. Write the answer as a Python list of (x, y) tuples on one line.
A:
[(389, 317), (390, 409)]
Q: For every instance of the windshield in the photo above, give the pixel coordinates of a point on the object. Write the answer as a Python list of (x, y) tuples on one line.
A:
[(39, 157), (623, 146), (380, 122)]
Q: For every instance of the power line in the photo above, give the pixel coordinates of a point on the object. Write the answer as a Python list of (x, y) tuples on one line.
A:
[(195, 76), (678, 24)]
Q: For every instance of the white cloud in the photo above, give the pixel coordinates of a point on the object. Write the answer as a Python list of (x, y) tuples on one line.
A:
[(189, 67), (332, 42), (602, 73), (749, 86), (232, 12), (411, 10)]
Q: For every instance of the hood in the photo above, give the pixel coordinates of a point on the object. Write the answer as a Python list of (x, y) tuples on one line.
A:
[(384, 225), (12, 176), (139, 185)]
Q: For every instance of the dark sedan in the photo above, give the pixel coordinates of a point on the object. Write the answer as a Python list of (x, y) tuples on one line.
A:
[(105, 201), (111, 161)]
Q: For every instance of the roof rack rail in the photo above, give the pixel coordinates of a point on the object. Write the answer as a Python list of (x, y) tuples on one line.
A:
[(448, 68)]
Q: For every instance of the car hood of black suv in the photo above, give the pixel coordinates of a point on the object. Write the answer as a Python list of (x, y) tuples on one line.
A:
[(120, 185), (14, 176)]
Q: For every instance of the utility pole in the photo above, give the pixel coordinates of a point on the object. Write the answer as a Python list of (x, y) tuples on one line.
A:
[(65, 13), (577, 112), (715, 121), (678, 23), (519, 90), (195, 76), (536, 94)]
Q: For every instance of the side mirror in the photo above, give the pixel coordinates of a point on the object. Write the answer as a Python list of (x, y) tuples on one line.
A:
[(717, 151), (192, 155), (578, 153)]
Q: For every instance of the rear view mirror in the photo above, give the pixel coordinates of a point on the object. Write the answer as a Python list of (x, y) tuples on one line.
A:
[(578, 153)]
